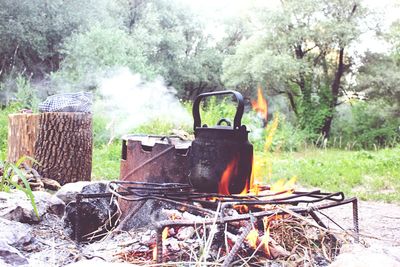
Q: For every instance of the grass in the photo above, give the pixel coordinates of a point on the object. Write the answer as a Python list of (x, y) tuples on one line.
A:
[(369, 175), (106, 161)]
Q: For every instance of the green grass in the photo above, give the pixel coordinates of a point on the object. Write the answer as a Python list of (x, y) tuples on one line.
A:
[(369, 175), (4, 126), (106, 161)]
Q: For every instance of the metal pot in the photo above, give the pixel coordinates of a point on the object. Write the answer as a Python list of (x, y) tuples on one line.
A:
[(214, 148)]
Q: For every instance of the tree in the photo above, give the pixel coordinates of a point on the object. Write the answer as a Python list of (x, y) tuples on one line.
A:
[(99, 49), (379, 78), (379, 74), (301, 51), (32, 32), (174, 40), (154, 38)]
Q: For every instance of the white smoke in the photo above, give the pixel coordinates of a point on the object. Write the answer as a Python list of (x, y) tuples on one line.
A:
[(129, 101)]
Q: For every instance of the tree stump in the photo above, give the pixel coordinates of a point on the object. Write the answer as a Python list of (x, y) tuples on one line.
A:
[(22, 135), (64, 146)]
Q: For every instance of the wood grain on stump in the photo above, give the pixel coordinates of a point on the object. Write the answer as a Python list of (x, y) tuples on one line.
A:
[(22, 135), (64, 146)]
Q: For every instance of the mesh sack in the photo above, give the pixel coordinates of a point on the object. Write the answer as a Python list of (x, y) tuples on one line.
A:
[(68, 102)]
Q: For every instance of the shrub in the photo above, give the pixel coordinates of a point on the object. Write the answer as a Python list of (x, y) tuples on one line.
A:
[(26, 95), (97, 50), (12, 108), (368, 125)]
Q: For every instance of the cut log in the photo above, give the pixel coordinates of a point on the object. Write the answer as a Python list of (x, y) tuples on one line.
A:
[(22, 135), (64, 146)]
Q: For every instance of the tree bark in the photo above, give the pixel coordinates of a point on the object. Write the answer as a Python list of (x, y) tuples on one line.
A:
[(64, 146), (22, 135), (326, 129)]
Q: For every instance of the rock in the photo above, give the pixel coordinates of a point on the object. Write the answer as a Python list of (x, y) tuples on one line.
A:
[(94, 212), (172, 244), (48, 203), (148, 238), (16, 206), (51, 184), (68, 192), (185, 233), (15, 233), (356, 255), (2, 263), (99, 263), (145, 214), (11, 255)]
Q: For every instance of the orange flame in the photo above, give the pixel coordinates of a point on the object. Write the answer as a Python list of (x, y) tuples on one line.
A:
[(260, 106), (266, 236), (284, 186), (252, 238), (165, 233), (229, 172), (255, 241)]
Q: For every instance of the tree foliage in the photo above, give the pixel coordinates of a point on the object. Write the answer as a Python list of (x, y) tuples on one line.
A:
[(153, 38), (300, 50), (176, 45), (379, 78), (32, 32)]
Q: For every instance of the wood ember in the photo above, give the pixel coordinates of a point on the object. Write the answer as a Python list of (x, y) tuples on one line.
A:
[(291, 241)]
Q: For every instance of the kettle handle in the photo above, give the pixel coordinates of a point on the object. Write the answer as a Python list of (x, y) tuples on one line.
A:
[(239, 110)]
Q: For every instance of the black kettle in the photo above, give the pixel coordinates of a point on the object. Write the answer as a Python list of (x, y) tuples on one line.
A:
[(216, 147)]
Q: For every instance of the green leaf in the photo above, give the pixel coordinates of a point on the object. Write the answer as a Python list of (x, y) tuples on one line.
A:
[(27, 190)]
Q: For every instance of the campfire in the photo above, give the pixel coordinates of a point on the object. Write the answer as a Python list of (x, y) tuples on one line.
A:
[(234, 219)]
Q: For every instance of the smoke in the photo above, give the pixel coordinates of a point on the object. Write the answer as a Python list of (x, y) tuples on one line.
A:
[(128, 101)]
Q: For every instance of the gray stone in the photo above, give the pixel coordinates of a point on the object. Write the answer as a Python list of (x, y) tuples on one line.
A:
[(185, 232), (16, 206), (94, 212), (48, 203), (15, 233), (11, 255), (144, 214), (99, 263), (355, 255), (68, 192)]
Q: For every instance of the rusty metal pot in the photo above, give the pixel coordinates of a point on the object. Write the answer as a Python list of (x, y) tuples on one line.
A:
[(214, 148)]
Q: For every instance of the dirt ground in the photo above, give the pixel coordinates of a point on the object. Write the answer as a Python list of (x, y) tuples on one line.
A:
[(378, 222), (379, 235), (379, 228)]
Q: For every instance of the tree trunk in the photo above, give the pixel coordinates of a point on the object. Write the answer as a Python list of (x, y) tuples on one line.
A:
[(22, 135), (64, 146), (326, 129)]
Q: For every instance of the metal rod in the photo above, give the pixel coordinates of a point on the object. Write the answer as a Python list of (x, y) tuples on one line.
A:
[(159, 246), (355, 220), (78, 200), (238, 243), (241, 217)]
